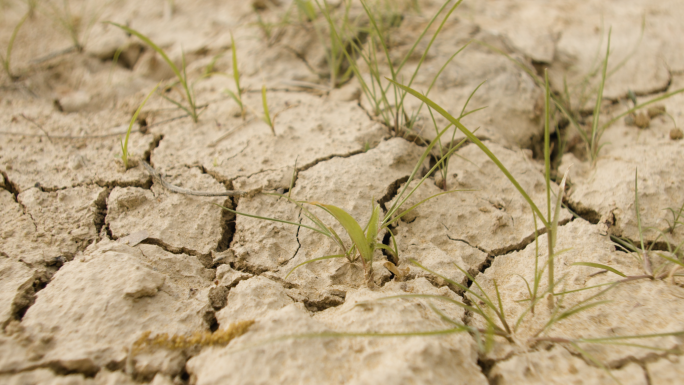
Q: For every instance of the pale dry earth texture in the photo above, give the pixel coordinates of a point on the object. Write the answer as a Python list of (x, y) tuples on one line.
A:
[(108, 276)]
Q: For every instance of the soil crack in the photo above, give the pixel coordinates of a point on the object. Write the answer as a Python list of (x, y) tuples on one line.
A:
[(205, 259)]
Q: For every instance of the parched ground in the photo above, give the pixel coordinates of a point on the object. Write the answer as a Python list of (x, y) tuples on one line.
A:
[(96, 260)]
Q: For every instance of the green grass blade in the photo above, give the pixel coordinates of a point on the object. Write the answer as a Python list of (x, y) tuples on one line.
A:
[(236, 71), (640, 106), (638, 211), (672, 260), (235, 97), (267, 115), (583, 289), (477, 142), (427, 49), (124, 146), (161, 52), (7, 60), (547, 140), (352, 228), (600, 266), (385, 247), (274, 220), (632, 337), (314, 260), (372, 232), (595, 134)]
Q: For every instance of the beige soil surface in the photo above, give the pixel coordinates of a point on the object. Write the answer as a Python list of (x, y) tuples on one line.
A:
[(107, 276)]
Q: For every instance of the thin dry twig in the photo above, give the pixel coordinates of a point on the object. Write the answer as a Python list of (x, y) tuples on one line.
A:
[(179, 190), (37, 125)]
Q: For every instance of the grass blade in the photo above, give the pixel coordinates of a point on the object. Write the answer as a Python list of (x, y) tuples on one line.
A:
[(182, 79), (124, 145), (314, 260), (274, 220), (600, 266), (267, 115), (7, 60)]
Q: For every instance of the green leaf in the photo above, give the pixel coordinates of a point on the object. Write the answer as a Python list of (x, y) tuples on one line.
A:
[(182, 79), (599, 266), (372, 232), (353, 230), (236, 71), (267, 115)]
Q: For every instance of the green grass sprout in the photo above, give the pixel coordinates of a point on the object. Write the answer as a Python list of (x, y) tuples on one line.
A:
[(267, 115), (124, 142), (181, 75), (7, 59), (237, 95), (386, 99), (644, 255)]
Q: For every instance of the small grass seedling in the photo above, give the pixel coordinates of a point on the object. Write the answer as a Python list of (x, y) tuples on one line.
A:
[(644, 255), (124, 142), (237, 95), (181, 75), (267, 114), (364, 241), (7, 59)]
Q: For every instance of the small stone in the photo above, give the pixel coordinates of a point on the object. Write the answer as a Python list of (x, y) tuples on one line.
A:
[(143, 283), (642, 120), (656, 110), (229, 277), (75, 101), (629, 120), (676, 134)]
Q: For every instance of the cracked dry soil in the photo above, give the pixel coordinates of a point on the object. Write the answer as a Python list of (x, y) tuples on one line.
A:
[(93, 256)]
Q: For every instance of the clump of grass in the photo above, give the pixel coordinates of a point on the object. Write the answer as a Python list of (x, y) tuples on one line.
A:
[(78, 26), (562, 100), (387, 100), (7, 59), (550, 220), (181, 75), (237, 95), (220, 337), (124, 142), (273, 30)]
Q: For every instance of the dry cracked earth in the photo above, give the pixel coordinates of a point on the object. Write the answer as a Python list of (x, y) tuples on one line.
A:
[(92, 256)]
